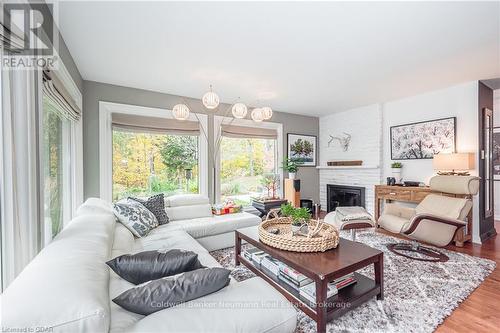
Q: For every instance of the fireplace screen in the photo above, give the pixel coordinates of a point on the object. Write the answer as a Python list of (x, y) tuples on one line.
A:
[(342, 196)]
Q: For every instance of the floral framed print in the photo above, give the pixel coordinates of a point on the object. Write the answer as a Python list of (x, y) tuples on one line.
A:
[(302, 149), (424, 139)]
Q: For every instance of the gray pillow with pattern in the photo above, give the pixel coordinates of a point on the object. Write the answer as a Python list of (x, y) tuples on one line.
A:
[(156, 205), (137, 218)]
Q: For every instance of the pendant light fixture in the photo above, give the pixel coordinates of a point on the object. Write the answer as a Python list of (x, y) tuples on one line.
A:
[(257, 115), (239, 110), (267, 112), (180, 112), (210, 99)]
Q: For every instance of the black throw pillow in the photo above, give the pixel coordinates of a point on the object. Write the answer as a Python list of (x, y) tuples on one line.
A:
[(151, 265), (156, 205), (167, 292)]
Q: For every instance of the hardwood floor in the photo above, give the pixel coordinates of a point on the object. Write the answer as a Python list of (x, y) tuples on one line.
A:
[(480, 312)]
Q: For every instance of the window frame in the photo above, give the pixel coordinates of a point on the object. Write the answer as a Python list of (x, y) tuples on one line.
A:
[(106, 109), (221, 120), (72, 139)]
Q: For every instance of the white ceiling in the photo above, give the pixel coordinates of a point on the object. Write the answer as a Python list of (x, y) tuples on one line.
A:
[(306, 58)]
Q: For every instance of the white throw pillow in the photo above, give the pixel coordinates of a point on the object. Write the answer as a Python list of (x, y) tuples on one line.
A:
[(137, 218)]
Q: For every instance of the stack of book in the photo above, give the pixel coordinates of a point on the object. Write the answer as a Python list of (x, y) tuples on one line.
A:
[(308, 292), (292, 278)]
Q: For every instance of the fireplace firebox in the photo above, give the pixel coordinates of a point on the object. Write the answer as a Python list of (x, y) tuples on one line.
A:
[(342, 195)]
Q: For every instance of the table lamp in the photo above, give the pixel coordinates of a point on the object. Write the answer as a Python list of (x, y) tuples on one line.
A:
[(446, 164)]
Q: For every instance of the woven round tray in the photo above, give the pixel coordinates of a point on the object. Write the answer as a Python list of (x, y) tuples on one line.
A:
[(327, 238)]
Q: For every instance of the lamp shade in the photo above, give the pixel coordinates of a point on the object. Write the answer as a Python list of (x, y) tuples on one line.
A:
[(257, 115), (180, 112), (239, 110), (210, 100), (454, 161), (267, 112)]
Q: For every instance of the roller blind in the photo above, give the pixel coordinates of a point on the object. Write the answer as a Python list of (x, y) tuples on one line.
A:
[(234, 131), (54, 89), (141, 124)]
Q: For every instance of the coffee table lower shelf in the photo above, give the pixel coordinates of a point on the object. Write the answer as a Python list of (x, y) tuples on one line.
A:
[(347, 298)]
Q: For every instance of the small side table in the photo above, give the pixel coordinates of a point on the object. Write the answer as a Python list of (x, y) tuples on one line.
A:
[(265, 206)]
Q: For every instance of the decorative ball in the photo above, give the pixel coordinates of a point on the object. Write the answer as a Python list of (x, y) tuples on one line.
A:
[(267, 112), (180, 112), (210, 100), (239, 110), (257, 115)]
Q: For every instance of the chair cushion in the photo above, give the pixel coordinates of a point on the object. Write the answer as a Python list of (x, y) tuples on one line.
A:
[(455, 184), (393, 223), (440, 205), (179, 200)]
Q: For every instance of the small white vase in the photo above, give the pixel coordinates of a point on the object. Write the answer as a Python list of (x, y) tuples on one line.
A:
[(291, 175), (396, 173)]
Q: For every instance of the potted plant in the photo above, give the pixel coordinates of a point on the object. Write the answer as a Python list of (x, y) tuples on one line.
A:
[(300, 217), (396, 171), (287, 210), (290, 166)]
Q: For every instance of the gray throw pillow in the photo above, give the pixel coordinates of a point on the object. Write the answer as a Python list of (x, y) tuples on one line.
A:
[(151, 265), (156, 205), (133, 215), (167, 292)]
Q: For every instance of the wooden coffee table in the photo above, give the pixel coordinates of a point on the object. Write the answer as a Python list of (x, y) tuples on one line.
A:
[(322, 267)]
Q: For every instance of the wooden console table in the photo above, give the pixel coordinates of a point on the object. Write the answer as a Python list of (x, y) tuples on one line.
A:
[(416, 194)]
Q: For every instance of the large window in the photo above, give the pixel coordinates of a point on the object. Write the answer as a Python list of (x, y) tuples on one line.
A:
[(243, 163), (56, 171), (147, 163)]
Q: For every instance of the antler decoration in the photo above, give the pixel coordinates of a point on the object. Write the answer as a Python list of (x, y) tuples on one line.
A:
[(344, 141)]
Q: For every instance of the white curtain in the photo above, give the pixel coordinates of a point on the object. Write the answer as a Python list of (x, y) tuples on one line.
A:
[(19, 165)]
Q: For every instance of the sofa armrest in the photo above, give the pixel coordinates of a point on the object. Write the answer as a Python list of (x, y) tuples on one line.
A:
[(417, 219)]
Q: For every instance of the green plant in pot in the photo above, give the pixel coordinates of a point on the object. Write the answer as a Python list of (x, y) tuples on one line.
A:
[(300, 217), (290, 166), (396, 171)]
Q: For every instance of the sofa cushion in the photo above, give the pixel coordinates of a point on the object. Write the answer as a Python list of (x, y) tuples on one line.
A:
[(156, 205), (189, 212), (65, 287), (95, 206), (208, 226), (250, 306), (137, 218), (164, 293), (151, 265), (180, 200)]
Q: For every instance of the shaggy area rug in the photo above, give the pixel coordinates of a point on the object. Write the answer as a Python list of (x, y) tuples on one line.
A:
[(418, 295)]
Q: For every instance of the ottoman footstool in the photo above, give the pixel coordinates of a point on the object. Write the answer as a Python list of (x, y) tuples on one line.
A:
[(350, 218)]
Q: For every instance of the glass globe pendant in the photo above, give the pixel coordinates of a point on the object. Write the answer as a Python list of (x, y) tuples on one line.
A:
[(180, 112), (210, 100), (239, 110), (267, 112), (257, 115)]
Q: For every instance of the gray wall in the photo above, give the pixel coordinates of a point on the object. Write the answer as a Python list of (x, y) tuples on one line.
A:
[(93, 92)]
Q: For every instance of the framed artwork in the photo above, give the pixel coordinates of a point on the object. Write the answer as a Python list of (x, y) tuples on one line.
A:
[(496, 153), (424, 139), (302, 149)]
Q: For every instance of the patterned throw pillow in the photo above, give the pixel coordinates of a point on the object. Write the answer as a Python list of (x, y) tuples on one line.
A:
[(137, 218), (156, 205)]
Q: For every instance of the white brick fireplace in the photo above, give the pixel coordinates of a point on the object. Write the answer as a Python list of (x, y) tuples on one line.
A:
[(365, 127)]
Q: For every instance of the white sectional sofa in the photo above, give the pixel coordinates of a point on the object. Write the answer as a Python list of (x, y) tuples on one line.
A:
[(68, 287), (193, 214)]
